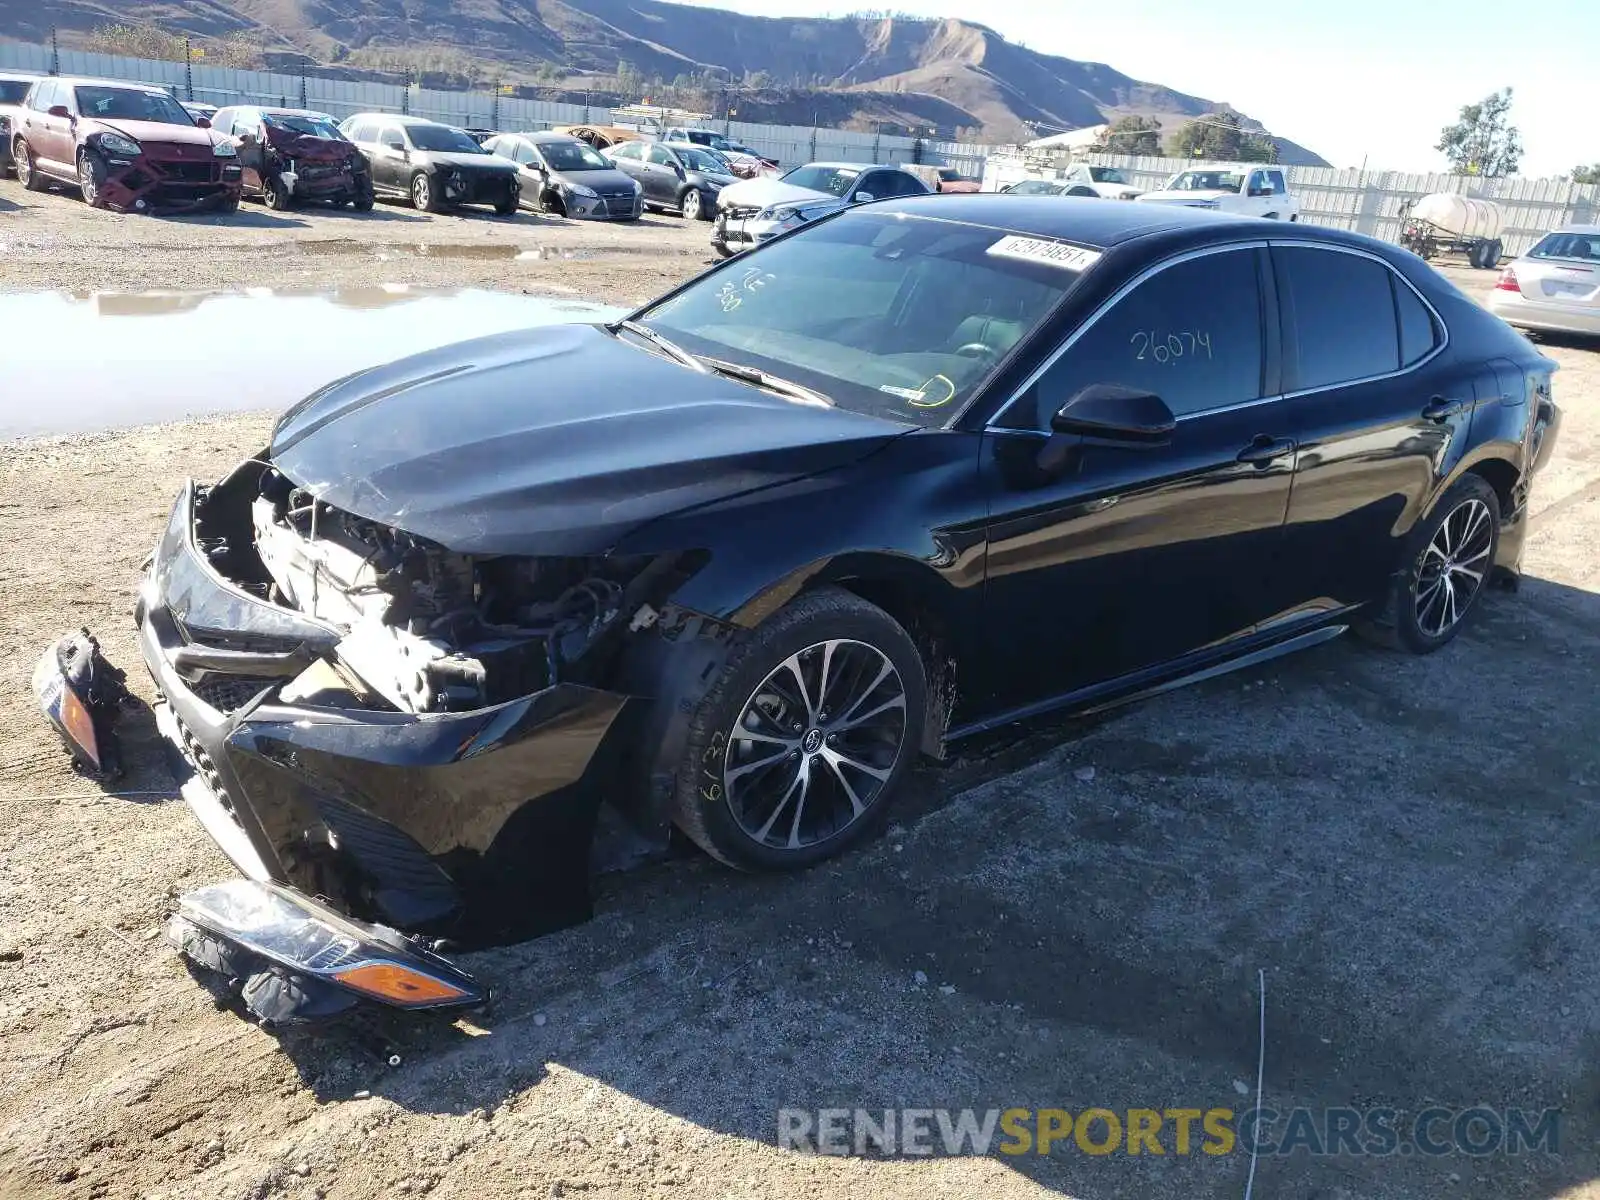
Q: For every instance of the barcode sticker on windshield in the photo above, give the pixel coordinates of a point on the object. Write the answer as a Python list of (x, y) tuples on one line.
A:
[(1057, 254)]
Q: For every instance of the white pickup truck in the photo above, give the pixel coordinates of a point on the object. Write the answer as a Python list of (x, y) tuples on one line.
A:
[(1247, 191)]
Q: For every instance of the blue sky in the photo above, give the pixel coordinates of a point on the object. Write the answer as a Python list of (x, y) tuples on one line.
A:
[(1350, 79)]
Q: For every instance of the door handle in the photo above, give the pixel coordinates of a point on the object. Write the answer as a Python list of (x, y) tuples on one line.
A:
[(1440, 410), (1264, 449)]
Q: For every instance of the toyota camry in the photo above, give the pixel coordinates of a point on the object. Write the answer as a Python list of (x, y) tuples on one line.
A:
[(730, 565)]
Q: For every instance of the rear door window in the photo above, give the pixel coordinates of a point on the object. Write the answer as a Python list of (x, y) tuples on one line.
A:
[(1191, 334), (1343, 307)]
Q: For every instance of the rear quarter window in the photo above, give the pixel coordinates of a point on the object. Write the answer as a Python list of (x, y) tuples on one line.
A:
[(1343, 305), (1418, 332)]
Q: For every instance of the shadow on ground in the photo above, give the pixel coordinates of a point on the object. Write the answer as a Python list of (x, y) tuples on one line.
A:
[(1403, 846)]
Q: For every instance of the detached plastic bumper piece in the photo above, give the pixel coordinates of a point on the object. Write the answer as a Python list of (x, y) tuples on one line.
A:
[(294, 959)]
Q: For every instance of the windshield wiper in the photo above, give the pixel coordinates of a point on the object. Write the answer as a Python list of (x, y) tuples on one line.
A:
[(655, 339), (773, 383)]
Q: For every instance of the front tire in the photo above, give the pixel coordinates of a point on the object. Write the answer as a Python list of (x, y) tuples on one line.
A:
[(723, 249), (276, 196), (91, 179), (694, 206), (799, 747), (1448, 561), (423, 198)]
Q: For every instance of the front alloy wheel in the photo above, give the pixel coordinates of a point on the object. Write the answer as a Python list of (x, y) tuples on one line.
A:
[(91, 176), (815, 743), (422, 194), (797, 748), (693, 205)]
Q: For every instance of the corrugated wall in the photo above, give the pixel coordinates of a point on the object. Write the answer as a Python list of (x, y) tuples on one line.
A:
[(1372, 202), (223, 85)]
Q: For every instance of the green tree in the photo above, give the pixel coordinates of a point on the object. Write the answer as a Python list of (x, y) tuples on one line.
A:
[(1221, 136), (1483, 141), (1131, 135), (1589, 174)]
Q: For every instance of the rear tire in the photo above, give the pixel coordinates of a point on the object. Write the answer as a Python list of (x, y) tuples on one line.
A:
[(1448, 561), (772, 780), (27, 169)]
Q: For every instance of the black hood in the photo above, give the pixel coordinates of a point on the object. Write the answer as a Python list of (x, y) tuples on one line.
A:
[(467, 160), (558, 440)]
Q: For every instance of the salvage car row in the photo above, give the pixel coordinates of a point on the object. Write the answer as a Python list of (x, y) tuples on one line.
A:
[(133, 147)]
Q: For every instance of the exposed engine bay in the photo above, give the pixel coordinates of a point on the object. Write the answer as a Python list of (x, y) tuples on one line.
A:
[(425, 629)]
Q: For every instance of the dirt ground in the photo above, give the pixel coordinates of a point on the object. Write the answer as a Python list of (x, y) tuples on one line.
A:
[(1067, 915), (53, 241)]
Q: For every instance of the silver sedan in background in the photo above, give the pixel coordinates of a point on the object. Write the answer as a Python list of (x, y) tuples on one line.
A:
[(1554, 287), (562, 175)]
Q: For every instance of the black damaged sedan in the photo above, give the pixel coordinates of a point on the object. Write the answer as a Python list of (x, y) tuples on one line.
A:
[(731, 565)]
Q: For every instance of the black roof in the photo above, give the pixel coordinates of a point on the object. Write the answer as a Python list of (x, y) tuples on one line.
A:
[(1106, 223)]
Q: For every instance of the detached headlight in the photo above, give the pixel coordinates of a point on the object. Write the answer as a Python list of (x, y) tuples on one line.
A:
[(581, 189), (224, 150), (115, 143)]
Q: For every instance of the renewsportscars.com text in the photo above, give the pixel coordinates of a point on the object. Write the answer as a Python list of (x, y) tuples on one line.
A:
[(1432, 1131)]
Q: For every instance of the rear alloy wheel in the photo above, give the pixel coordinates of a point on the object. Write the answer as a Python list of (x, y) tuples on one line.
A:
[(693, 205), (91, 179), (1449, 559), (798, 748), (27, 169)]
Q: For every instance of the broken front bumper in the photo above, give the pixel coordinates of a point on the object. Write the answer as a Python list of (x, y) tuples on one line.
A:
[(475, 826), (149, 184)]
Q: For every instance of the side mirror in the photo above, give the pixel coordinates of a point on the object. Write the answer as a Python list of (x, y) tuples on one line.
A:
[(1109, 412), (1260, 191), (203, 122), (396, 147), (61, 111), (863, 198)]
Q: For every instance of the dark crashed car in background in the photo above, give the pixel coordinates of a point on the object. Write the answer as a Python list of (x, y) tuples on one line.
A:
[(434, 166), (126, 146), (290, 155), (910, 472)]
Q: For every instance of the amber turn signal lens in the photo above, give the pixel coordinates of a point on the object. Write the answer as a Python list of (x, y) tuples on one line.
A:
[(75, 719), (401, 985)]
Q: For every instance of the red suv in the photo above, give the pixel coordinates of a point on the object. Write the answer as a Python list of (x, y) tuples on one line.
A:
[(127, 146)]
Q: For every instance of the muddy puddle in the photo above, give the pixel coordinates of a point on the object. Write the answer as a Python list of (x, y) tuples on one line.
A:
[(76, 363)]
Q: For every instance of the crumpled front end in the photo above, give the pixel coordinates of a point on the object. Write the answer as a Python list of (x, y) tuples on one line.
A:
[(169, 180), (419, 741)]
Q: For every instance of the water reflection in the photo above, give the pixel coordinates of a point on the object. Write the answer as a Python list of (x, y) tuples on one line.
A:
[(76, 362)]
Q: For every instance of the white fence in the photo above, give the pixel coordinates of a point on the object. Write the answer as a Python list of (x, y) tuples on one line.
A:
[(790, 144), (1372, 202)]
